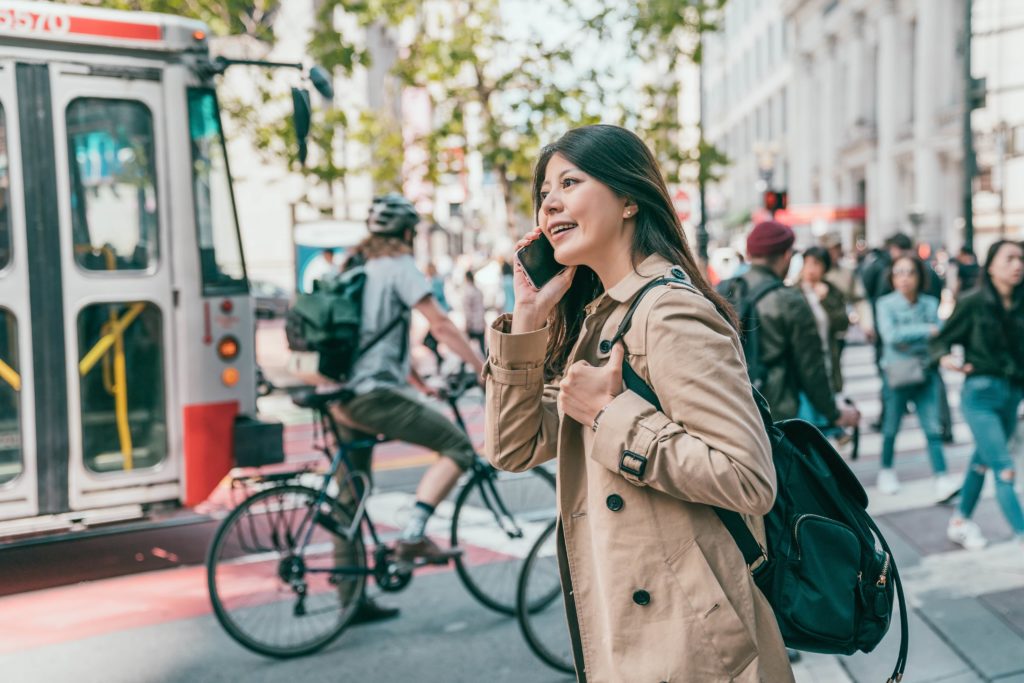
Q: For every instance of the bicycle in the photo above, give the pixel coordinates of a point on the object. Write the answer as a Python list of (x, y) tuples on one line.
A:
[(288, 567), (540, 609)]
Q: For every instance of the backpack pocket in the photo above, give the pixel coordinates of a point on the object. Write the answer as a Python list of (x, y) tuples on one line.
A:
[(821, 586), (877, 596)]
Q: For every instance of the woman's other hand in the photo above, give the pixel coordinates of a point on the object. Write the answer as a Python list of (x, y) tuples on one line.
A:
[(586, 389), (951, 363), (533, 306)]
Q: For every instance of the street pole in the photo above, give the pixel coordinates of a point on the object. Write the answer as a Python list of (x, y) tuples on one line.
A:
[(702, 226), (970, 163)]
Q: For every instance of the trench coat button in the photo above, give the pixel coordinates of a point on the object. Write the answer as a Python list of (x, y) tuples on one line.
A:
[(614, 502), (642, 598), (606, 346)]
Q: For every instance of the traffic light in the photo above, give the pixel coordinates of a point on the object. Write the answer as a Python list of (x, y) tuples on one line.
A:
[(774, 200)]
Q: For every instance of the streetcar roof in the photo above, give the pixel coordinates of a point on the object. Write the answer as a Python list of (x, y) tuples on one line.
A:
[(52, 23)]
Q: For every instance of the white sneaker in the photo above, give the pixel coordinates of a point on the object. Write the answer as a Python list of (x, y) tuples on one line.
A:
[(946, 485), (888, 483), (966, 533)]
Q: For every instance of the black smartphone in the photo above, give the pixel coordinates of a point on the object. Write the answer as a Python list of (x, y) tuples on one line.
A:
[(538, 261)]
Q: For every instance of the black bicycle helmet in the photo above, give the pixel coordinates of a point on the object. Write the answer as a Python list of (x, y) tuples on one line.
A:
[(391, 214)]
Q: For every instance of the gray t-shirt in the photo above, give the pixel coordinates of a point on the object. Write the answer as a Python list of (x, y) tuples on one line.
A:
[(393, 285)]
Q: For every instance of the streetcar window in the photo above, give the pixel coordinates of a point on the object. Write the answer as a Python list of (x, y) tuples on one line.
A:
[(5, 188), (124, 416), (10, 403), (220, 249), (112, 161)]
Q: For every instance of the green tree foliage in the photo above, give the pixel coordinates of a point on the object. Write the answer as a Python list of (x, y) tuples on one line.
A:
[(525, 90), (665, 32)]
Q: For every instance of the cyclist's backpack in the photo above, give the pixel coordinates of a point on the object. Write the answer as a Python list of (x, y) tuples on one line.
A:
[(738, 293), (327, 320), (827, 570)]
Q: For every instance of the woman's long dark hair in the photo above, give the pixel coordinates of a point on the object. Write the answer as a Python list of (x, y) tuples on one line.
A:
[(619, 159), (985, 278)]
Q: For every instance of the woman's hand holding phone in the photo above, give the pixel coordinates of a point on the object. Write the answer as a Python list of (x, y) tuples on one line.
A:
[(533, 306)]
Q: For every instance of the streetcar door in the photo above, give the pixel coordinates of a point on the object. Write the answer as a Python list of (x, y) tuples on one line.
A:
[(100, 278), (18, 482)]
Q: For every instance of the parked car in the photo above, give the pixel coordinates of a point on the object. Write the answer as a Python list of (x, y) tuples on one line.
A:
[(271, 301)]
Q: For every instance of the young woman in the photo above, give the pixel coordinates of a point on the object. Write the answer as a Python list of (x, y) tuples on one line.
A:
[(829, 308), (655, 587), (906, 319), (988, 322)]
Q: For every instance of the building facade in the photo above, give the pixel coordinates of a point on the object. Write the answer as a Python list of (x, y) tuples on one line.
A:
[(858, 105), (745, 76)]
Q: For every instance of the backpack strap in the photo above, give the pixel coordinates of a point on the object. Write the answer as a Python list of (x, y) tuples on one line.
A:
[(753, 554)]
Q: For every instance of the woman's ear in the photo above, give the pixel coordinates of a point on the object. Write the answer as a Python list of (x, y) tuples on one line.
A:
[(630, 209)]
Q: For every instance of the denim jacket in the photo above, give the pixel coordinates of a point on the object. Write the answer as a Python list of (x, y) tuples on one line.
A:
[(905, 328)]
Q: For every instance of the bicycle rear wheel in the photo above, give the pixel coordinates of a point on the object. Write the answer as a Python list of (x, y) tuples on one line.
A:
[(272, 591), (497, 517), (540, 608)]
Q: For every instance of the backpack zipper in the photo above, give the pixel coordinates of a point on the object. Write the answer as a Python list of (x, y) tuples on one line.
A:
[(883, 578)]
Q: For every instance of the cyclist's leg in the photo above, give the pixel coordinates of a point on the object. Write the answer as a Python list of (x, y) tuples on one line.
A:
[(360, 461), (401, 415)]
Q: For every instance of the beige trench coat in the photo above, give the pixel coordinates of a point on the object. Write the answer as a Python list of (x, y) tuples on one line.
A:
[(656, 589)]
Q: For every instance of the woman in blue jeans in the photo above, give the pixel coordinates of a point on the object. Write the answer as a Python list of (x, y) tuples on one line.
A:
[(906, 320), (989, 323)]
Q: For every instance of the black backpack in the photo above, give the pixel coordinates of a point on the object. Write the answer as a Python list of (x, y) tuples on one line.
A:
[(327, 321), (827, 571), (737, 291)]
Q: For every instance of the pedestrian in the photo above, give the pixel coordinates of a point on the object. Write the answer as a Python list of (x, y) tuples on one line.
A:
[(988, 322), (907, 320), (843, 274), (437, 290), (829, 307), (655, 587), (507, 286), (875, 276), (966, 269), (473, 311), (790, 359)]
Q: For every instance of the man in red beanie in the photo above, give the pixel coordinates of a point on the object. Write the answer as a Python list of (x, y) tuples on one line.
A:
[(785, 357)]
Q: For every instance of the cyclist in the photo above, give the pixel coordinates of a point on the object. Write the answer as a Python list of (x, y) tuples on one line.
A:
[(380, 393)]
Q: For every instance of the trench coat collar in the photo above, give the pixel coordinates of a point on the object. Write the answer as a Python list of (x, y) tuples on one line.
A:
[(652, 267)]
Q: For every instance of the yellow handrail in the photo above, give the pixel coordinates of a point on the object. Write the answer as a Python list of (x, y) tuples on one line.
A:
[(113, 336), (106, 341), (10, 375)]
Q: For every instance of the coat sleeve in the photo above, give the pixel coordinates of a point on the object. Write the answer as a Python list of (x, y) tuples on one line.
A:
[(521, 416), (835, 306), (708, 444), (955, 331)]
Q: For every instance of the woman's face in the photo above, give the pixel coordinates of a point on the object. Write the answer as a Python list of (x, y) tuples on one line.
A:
[(581, 216), (904, 277), (1007, 266), (813, 270)]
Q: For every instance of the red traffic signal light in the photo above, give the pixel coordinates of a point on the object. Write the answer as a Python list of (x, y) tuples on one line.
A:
[(774, 200)]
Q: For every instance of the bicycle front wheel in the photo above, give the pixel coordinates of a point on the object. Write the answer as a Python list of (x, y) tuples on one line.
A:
[(540, 607), (497, 517), (283, 579)]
